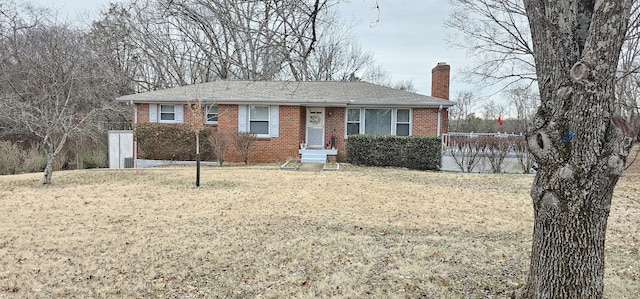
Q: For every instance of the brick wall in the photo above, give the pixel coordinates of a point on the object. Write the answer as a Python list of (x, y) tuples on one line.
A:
[(440, 81), (143, 113), (285, 146), (425, 121), (334, 123), (277, 149), (228, 124)]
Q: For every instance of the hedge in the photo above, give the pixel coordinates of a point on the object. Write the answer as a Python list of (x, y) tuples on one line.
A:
[(173, 142), (415, 152)]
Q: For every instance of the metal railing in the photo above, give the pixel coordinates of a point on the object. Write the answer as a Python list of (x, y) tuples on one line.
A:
[(446, 138)]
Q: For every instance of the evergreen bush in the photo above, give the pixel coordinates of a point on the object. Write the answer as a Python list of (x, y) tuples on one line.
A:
[(415, 152), (174, 142)]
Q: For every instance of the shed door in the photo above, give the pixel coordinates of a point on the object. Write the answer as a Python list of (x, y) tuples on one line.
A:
[(120, 148), (315, 128)]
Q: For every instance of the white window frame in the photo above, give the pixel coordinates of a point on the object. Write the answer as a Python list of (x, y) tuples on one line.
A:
[(394, 120), (244, 122), (268, 120), (347, 121), (160, 113), (206, 114), (155, 114)]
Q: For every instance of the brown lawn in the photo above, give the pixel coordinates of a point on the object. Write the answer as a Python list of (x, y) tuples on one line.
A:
[(264, 232)]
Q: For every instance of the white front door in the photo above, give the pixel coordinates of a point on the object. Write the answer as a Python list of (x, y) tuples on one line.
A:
[(315, 128)]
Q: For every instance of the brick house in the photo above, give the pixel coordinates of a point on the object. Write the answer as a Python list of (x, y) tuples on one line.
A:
[(292, 118)]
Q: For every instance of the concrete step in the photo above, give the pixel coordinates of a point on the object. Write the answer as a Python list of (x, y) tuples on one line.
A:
[(313, 158)]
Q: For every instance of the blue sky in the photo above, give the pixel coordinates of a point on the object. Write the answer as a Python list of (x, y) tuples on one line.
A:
[(408, 40)]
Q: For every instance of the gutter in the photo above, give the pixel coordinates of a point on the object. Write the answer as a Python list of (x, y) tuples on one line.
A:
[(439, 121)]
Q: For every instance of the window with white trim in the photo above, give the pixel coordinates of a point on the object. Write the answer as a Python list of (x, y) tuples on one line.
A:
[(378, 121), (353, 121), (403, 122), (259, 120), (167, 113), (211, 114)]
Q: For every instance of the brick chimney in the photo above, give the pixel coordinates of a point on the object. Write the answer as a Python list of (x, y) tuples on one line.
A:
[(440, 81)]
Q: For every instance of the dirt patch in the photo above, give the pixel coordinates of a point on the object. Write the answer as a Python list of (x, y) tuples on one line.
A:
[(263, 232)]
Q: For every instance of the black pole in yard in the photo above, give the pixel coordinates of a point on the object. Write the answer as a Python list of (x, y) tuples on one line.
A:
[(198, 170)]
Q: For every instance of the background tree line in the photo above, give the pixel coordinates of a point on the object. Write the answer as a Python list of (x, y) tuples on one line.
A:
[(511, 115)]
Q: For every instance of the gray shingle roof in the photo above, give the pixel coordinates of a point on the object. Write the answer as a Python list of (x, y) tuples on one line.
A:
[(329, 93)]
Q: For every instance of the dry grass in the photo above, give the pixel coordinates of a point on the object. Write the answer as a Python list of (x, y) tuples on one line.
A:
[(263, 232)]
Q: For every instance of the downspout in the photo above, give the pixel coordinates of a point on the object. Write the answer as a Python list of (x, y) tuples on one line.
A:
[(439, 120), (135, 143)]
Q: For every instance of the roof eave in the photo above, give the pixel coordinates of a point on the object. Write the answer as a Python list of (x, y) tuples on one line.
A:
[(314, 102), (396, 104)]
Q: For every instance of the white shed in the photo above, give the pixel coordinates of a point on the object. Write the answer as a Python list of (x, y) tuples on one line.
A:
[(121, 149)]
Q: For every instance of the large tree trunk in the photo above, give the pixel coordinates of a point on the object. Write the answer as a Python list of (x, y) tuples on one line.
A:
[(580, 153)]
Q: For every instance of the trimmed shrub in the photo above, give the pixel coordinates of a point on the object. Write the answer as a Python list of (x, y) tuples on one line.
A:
[(174, 142), (416, 152), (95, 159), (424, 153)]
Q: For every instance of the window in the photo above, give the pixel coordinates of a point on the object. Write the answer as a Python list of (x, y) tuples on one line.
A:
[(211, 114), (164, 113), (259, 120), (403, 122), (353, 121), (167, 113), (378, 121)]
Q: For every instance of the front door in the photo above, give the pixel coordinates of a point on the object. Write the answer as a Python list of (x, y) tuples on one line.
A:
[(315, 128)]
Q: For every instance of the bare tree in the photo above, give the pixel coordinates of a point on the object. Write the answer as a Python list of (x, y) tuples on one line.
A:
[(218, 140), (53, 82), (493, 114), (196, 125), (628, 84), (497, 149), (524, 157), (496, 33), (406, 85), (580, 151), (525, 103), (578, 137), (166, 43), (244, 144), (458, 114), (467, 151)]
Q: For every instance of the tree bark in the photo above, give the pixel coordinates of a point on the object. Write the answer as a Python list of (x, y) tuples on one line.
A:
[(48, 170), (580, 153)]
